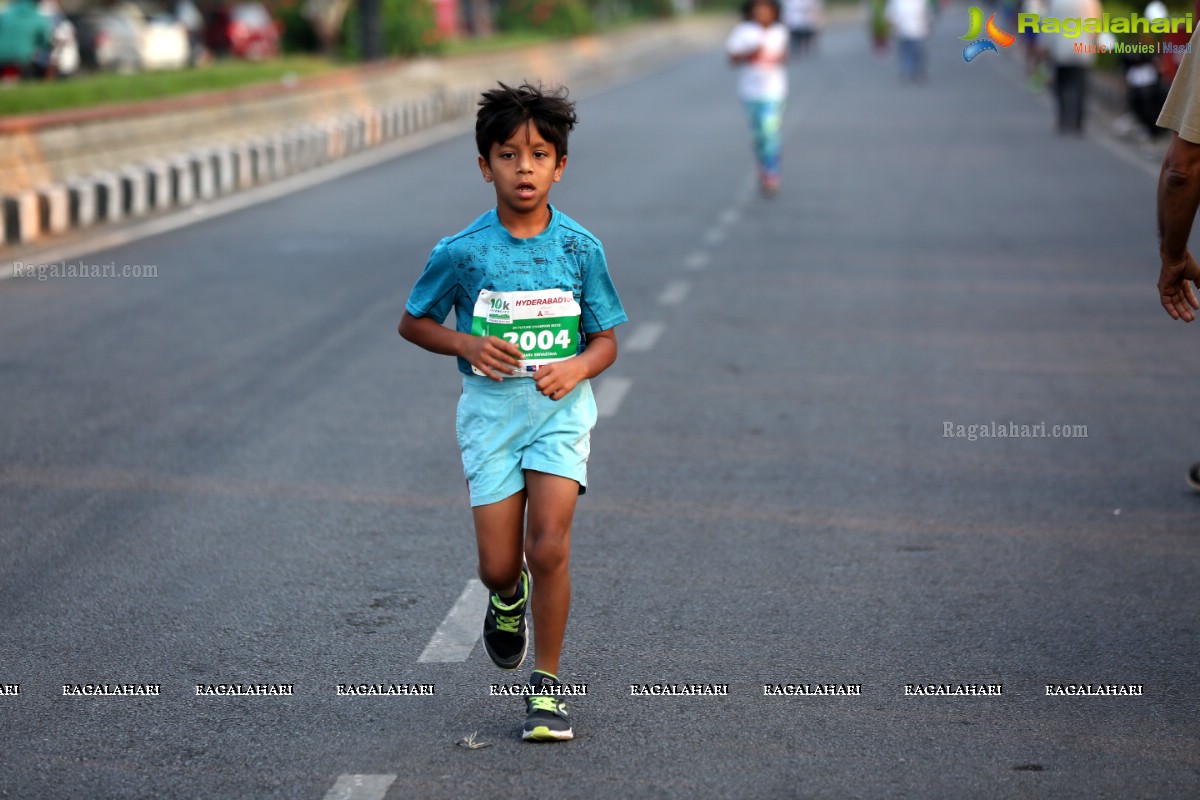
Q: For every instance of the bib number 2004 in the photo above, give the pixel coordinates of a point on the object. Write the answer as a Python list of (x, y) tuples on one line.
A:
[(542, 340)]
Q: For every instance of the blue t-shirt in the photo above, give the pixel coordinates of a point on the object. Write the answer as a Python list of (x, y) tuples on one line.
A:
[(486, 256)]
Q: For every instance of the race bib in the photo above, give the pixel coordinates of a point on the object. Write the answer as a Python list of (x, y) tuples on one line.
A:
[(544, 325)]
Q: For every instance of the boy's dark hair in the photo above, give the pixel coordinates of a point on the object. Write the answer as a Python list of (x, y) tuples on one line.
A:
[(748, 8), (504, 109)]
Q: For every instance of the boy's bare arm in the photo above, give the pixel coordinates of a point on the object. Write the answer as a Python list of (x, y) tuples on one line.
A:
[(557, 379), (491, 354)]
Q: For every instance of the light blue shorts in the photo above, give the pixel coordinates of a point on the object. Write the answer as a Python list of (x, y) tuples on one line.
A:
[(508, 427)]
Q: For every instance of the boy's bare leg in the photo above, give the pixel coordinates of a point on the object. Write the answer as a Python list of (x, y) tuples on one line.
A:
[(547, 551), (498, 529)]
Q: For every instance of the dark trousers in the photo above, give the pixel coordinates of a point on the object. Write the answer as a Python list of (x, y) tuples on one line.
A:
[(912, 59), (1070, 89), (1146, 102)]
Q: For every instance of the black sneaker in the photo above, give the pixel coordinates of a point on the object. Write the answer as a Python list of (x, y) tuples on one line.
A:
[(545, 714), (504, 627)]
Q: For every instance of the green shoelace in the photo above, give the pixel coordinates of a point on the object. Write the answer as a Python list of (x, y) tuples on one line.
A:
[(541, 702)]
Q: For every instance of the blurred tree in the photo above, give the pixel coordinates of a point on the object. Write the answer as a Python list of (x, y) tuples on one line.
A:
[(653, 8), (406, 27), (556, 17)]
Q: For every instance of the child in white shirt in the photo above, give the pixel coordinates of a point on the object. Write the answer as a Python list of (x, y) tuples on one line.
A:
[(759, 46)]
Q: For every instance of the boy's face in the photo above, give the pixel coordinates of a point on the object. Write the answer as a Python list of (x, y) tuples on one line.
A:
[(763, 14), (523, 168)]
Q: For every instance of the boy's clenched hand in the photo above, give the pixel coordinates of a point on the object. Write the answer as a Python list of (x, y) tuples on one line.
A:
[(491, 355), (557, 379)]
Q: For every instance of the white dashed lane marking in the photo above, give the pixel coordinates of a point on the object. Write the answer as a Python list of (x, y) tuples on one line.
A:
[(674, 292), (455, 638), (610, 391), (644, 337), (360, 787)]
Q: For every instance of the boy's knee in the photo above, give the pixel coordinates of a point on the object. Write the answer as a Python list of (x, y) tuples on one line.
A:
[(548, 552), (499, 578)]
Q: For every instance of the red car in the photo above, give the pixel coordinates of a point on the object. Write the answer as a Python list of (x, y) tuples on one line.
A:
[(245, 30)]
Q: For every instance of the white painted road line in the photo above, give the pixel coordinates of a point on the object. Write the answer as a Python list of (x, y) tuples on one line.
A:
[(455, 638), (643, 337), (360, 787), (674, 292), (696, 260), (714, 236), (729, 216), (609, 394)]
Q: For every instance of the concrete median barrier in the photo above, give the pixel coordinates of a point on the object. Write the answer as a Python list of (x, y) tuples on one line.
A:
[(204, 174), (83, 202), (158, 185), (183, 181), (21, 217), (223, 177), (243, 166), (135, 192), (111, 207), (54, 209)]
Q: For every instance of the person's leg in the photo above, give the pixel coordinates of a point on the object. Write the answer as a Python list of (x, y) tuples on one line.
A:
[(490, 441), (804, 42), (548, 551), (551, 507), (754, 120), (498, 533), (1081, 82), (1072, 112), (771, 150), (755, 115), (1060, 96), (1140, 108), (909, 59)]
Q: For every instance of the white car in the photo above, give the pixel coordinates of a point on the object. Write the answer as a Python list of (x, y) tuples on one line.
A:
[(162, 38)]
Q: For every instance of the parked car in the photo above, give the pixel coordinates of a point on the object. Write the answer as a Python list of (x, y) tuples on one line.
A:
[(245, 30), (163, 39), (129, 36)]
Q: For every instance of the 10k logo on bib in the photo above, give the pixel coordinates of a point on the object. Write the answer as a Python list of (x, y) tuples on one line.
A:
[(543, 324)]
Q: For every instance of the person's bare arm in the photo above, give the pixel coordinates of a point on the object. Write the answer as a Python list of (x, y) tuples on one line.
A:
[(746, 57), (1178, 201), (491, 354)]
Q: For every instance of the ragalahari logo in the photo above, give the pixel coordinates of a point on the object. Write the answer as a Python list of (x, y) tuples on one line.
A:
[(995, 35)]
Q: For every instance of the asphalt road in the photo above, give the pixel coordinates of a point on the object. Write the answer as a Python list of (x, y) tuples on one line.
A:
[(237, 472)]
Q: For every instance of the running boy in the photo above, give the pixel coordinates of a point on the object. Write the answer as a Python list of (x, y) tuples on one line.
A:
[(534, 314)]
